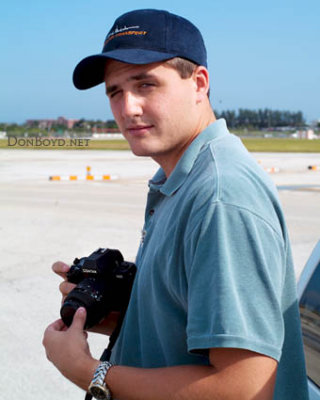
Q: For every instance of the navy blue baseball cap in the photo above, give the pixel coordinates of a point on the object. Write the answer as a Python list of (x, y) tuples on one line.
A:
[(143, 37)]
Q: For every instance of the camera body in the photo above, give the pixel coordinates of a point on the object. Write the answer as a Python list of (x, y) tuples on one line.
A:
[(104, 282)]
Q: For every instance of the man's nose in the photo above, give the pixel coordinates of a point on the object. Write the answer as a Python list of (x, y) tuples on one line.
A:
[(131, 105)]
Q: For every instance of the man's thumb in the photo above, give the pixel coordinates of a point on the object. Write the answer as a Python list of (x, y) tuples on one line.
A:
[(79, 319)]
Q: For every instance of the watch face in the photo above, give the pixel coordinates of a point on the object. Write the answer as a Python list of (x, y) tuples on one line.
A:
[(100, 392)]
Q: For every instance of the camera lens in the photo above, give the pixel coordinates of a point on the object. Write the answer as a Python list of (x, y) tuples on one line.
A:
[(91, 295), (68, 310)]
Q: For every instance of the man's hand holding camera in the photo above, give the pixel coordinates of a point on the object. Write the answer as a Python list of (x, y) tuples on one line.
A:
[(61, 269), (68, 349), (95, 293)]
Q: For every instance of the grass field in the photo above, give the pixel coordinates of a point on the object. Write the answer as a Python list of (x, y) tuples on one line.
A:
[(252, 144), (282, 145), (63, 144)]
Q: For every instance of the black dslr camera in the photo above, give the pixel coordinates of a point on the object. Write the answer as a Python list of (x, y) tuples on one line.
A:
[(104, 282)]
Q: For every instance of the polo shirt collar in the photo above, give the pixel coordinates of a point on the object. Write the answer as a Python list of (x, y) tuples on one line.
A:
[(168, 187)]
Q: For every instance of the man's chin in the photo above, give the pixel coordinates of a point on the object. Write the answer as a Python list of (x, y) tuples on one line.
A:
[(140, 152)]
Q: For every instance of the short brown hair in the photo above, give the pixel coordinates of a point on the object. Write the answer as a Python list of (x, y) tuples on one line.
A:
[(184, 67)]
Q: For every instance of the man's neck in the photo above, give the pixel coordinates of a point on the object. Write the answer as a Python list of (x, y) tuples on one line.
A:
[(168, 164)]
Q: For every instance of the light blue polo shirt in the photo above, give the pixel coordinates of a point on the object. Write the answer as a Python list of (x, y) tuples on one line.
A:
[(214, 267)]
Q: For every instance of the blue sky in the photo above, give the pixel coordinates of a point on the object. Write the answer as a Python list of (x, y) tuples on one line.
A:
[(261, 54)]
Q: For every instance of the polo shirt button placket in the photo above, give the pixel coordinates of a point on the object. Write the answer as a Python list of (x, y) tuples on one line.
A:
[(147, 225)]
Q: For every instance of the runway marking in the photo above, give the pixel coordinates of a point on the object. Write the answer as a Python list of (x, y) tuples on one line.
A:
[(82, 178), (306, 188)]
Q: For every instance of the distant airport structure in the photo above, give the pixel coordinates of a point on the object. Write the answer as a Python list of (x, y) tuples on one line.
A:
[(94, 128), (305, 134), (48, 123)]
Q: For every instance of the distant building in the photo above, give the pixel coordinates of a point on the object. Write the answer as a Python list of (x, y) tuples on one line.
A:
[(48, 123), (69, 123), (315, 123), (305, 134)]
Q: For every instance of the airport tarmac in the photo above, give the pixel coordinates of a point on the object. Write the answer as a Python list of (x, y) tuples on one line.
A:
[(42, 221)]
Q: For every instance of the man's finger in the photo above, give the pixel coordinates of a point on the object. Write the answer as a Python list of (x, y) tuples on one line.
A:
[(65, 287), (79, 319), (60, 268), (57, 325)]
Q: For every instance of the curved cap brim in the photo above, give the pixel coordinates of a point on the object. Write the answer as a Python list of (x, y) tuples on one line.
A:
[(91, 70)]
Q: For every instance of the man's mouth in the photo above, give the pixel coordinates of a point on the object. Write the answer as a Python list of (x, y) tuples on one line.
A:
[(138, 129)]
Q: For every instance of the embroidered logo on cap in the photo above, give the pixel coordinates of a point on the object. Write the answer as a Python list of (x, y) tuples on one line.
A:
[(125, 31)]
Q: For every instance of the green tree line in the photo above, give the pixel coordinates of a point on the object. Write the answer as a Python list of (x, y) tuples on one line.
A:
[(242, 118), (35, 129), (262, 118), (85, 125)]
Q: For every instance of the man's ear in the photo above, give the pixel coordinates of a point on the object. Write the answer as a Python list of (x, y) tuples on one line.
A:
[(201, 79)]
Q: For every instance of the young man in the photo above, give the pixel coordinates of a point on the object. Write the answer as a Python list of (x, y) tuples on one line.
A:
[(213, 311)]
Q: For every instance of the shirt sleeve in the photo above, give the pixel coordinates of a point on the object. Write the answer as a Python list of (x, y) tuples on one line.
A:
[(235, 282)]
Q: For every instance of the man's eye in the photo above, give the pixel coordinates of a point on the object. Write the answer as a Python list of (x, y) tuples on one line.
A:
[(113, 94), (147, 84)]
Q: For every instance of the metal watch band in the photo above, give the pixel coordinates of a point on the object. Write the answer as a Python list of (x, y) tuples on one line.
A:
[(98, 388)]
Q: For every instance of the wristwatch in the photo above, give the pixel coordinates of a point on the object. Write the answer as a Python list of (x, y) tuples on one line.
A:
[(98, 387)]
